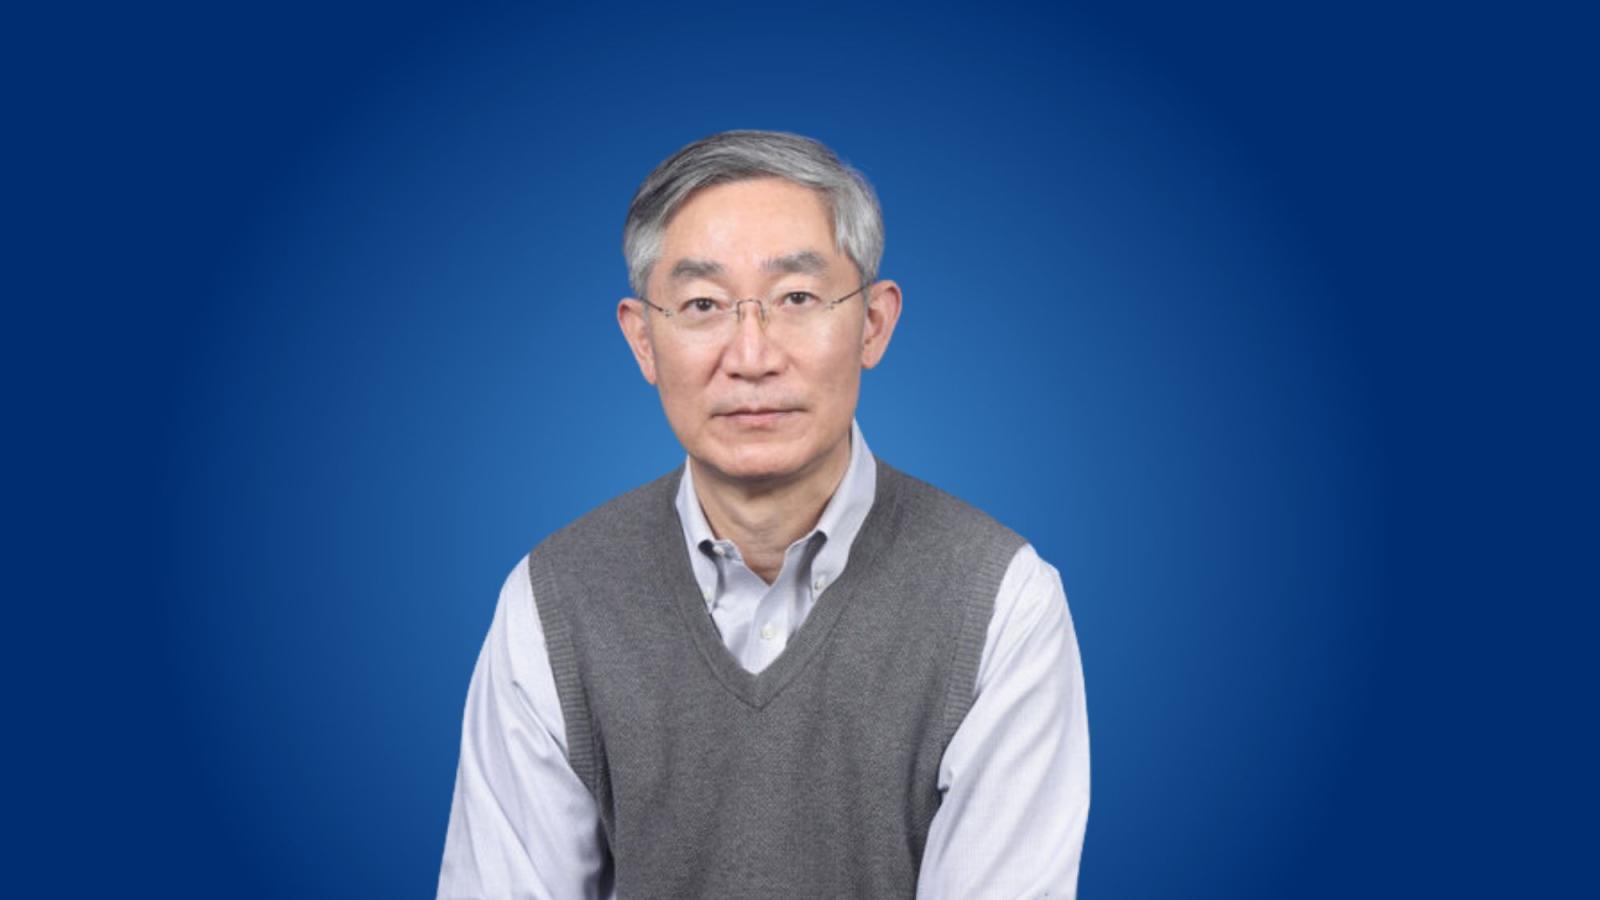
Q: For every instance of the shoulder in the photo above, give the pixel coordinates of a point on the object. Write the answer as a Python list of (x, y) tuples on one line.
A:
[(515, 647), (1031, 592), (627, 518), (931, 516)]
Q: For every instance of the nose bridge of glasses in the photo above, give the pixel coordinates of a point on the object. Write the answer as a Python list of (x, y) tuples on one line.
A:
[(761, 309)]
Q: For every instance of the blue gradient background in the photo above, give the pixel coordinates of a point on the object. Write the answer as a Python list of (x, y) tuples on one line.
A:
[(1254, 322)]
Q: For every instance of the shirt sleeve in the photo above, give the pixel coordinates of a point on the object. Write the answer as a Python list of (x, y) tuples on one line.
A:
[(1015, 777), (522, 824)]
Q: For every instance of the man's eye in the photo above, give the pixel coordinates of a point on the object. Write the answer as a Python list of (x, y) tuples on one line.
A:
[(800, 298), (700, 306)]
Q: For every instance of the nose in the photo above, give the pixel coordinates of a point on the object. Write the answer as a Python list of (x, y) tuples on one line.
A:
[(751, 353)]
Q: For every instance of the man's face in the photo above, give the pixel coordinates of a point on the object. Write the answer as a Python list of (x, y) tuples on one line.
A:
[(752, 407)]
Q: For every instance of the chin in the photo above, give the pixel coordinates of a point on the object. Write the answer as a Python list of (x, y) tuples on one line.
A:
[(764, 455), (761, 462), (761, 466)]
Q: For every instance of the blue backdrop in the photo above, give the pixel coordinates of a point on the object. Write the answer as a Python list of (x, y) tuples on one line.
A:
[(1262, 326)]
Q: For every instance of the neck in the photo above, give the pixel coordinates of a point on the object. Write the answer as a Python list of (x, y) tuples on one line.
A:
[(763, 519)]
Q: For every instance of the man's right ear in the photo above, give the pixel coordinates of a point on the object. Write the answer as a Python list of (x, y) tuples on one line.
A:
[(636, 329)]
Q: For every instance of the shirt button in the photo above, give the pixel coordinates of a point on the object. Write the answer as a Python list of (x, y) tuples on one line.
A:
[(707, 595), (717, 549), (819, 584), (768, 632)]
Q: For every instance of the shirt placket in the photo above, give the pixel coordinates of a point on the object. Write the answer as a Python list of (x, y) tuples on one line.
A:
[(757, 620)]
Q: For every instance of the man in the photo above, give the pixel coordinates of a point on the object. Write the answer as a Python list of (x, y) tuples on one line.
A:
[(784, 669)]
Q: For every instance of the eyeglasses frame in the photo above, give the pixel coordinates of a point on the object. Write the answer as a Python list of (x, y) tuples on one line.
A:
[(738, 305)]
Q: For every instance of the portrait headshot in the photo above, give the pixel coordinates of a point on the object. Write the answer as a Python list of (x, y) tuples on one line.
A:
[(785, 668), (970, 451)]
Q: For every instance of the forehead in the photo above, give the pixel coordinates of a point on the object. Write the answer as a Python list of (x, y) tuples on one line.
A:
[(738, 221)]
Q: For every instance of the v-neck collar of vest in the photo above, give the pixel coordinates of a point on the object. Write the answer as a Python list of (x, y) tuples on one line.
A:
[(675, 578)]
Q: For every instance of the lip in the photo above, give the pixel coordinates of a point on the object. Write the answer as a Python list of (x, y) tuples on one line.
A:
[(758, 417)]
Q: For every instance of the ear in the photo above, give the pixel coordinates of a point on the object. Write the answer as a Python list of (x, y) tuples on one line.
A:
[(636, 330), (883, 311)]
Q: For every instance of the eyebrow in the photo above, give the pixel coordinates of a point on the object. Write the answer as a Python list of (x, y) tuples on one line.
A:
[(690, 269), (802, 262)]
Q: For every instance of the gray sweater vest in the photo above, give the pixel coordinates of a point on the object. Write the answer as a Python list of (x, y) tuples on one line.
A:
[(817, 777)]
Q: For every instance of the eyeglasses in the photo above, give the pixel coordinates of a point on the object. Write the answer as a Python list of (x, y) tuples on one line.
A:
[(796, 314)]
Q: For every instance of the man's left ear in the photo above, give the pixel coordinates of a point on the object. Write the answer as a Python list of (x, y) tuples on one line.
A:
[(883, 311)]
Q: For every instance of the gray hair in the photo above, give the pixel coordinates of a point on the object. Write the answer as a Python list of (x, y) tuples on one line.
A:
[(739, 155)]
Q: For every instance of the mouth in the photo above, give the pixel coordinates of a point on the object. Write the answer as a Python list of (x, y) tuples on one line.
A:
[(758, 416)]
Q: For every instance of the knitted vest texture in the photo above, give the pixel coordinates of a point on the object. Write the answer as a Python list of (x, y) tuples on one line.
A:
[(817, 777)]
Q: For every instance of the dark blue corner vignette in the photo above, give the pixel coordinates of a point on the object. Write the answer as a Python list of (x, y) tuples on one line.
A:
[(1263, 324)]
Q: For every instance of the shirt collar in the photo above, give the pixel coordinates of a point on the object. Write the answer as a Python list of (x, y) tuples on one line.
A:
[(839, 523)]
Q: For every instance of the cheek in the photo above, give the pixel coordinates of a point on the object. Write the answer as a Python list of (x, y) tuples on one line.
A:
[(671, 367), (682, 381), (843, 375)]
